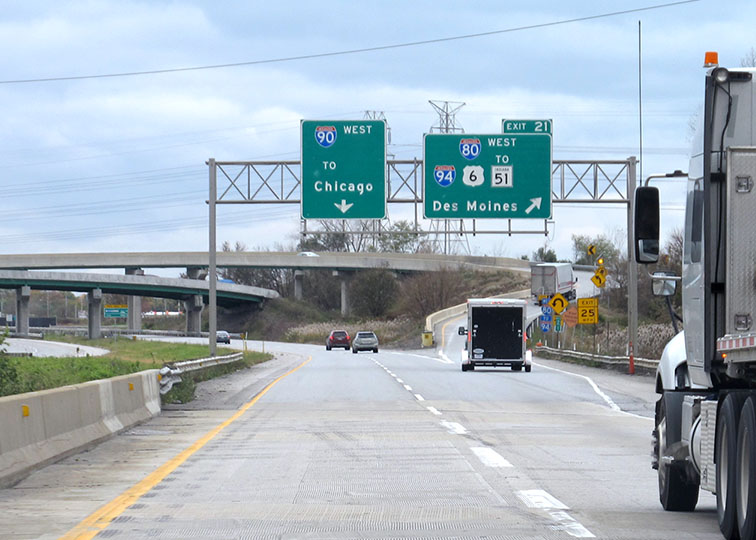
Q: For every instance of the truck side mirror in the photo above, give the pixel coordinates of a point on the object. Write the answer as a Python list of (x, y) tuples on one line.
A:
[(646, 225), (462, 331), (661, 286)]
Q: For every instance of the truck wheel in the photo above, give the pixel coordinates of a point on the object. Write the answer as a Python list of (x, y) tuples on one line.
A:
[(517, 367), (745, 482), (726, 458), (528, 368), (354, 351), (676, 494), (464, 367)]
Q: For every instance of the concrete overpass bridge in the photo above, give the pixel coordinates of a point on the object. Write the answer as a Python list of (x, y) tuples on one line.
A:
[(192, 291), (400, 262), (342, 265)]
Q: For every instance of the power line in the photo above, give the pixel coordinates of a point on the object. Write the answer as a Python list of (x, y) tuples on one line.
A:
[(349, 51)]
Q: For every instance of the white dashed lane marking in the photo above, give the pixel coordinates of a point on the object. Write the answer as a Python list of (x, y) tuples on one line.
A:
[(541, 500), (490, 457), (434, 411), (454, 427), (419, 397)]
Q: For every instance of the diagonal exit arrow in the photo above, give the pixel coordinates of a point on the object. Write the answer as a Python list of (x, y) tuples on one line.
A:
[(343, 206), (534, 203)]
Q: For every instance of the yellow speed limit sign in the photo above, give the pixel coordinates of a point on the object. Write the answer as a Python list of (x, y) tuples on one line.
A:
[(587, 310)]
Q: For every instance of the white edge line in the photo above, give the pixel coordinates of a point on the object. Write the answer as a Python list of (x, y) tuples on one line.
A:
[(612, 405), (423, 357)]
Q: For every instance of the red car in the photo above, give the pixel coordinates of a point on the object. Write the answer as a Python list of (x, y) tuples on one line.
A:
[(338, 338)]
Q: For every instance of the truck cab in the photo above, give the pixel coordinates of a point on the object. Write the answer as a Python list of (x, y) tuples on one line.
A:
[(705, 435)]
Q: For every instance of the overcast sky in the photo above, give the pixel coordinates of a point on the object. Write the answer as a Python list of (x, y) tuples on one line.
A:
[(118, 163)]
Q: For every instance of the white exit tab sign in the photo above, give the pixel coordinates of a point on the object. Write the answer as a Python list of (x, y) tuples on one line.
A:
[(515, 127)]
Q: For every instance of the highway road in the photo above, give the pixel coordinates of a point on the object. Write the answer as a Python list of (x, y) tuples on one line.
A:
[(36, 347), (399, 444)]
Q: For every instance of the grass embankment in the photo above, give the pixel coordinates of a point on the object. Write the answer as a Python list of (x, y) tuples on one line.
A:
[(30, 374)]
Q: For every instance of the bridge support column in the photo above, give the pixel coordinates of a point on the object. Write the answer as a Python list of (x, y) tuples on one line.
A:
[(23, 296), (298, 281), (134, 317), (346, 277), (196, 272), (94, 300), (194, 315)]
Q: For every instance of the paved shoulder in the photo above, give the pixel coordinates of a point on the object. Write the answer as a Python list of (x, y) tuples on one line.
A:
[(233, 390)]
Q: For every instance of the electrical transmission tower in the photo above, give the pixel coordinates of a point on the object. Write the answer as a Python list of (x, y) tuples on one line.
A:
[(441, 229), (447, 116)]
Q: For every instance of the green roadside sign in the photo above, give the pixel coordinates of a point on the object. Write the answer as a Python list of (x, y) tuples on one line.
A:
[(116, 311), (515, 127), (487, 176), (343, 169)]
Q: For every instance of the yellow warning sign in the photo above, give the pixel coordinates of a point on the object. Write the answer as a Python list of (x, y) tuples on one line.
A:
[(559, 303)]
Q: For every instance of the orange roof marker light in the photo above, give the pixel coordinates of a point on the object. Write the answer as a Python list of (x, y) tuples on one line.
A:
[(711, 59)]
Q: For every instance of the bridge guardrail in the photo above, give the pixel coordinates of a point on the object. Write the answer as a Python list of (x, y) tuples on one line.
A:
[(170, 374)]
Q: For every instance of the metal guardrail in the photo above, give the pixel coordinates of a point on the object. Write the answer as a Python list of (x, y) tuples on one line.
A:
[(602, 359), (170, 374)]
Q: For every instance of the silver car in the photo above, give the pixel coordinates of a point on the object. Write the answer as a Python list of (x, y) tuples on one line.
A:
[(365, 341)]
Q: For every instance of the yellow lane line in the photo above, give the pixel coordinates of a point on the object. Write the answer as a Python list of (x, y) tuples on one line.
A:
[(101, 518)]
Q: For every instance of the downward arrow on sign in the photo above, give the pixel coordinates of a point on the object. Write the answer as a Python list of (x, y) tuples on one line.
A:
[(343, 206)]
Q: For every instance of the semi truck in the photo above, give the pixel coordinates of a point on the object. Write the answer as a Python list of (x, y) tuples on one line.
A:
[(548, 279), (496, 334), (705, 426)]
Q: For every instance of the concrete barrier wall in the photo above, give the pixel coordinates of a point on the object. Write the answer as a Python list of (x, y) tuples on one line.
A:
[(455, 311), (41, 427)]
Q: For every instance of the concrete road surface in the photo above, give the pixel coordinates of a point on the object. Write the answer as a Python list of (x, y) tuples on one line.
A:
[(399, 444), (37, 347)]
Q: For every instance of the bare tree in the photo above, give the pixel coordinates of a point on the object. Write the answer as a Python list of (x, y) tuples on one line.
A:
[(749, 60)]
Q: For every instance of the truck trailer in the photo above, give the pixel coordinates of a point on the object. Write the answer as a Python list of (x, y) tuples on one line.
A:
[(496, 334), (548, 279), (705, 425)]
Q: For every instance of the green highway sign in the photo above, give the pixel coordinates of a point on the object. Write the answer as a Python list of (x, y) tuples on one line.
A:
[(343, 169), (515, 127), (487, 176), (116, 311)]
